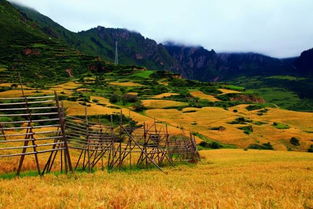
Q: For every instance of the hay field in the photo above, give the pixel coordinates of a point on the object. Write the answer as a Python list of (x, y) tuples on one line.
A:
[(164, 95), (202, 120), (155, 104), (229, 91), (202, 95), (223, 179)]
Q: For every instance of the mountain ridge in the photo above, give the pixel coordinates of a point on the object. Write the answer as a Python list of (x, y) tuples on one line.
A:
[(192, 62)]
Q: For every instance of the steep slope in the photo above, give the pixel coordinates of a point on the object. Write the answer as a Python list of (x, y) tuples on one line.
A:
[(201, 64), (191, 62), (304, 63), (26, 49), (133, 48), (47, 25)]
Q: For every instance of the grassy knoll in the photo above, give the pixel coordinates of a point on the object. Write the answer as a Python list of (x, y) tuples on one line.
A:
[(223, 179)]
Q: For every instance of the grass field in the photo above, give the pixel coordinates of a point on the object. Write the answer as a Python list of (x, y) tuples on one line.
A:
[(223, 179), (289, 92), (162, 103)]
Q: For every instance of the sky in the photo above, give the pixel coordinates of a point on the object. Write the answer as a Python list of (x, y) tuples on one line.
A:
[(278, 28)]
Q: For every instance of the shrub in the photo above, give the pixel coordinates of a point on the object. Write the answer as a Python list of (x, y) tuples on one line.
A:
[(265, 146), (240, 120), (138, 107), (262, 112), (280, 125), (114, 98), (219, 128), (258, 123), (212, 145), (254, 107), (311, 148), (295, 141), (130, 98), (247, 129)]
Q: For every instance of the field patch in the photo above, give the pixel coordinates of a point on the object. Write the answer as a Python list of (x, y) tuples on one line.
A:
[(202, 95), (229, 91), (126, 84), (164, 95), (159, 104)]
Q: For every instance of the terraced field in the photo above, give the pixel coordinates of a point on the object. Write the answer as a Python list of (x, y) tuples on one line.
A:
[(208, 116)]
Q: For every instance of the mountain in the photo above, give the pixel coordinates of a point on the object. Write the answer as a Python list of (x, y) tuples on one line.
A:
[(200, 64), (134, 49), (26, 48), (189, 61), (305, 62)]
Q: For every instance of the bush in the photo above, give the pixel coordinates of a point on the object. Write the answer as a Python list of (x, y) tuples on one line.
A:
[(265, 146), (247, 129), (240, 120), (311, 148), (295, 141), (254, 107), (262, 112), (129, 98), (114, 98), (280, 125), (212, 145), (138, 107), (219, 128)]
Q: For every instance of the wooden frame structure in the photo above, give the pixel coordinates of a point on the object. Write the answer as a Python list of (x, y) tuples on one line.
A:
[(31, 126), (126, 146), (37, 125)]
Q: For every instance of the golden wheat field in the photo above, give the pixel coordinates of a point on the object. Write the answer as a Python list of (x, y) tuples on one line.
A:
[(223, 179)]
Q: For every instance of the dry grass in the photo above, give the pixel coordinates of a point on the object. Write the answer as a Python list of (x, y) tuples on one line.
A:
[(155, 104), (202, 95), (164, 95), (202, 119), (65, 88), (228, 91), (224, 179)]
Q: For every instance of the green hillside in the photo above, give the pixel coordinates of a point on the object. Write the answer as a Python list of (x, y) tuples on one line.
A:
[(42, 50), (288, 92), (26, 49)]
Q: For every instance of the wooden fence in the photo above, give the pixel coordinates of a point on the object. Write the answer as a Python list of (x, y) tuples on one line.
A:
[(32, 126)]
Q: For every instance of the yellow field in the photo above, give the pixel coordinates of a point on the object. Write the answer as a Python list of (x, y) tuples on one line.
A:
[(65, 88), (202, 95), (223, 179), (164, 95), (202, 119), (228, 91), (125, 84), (161, 103)]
